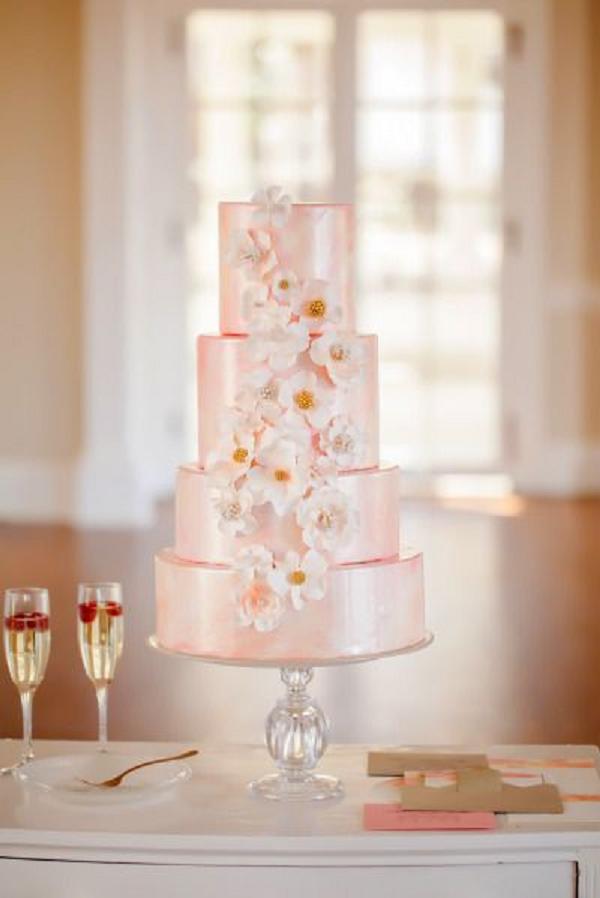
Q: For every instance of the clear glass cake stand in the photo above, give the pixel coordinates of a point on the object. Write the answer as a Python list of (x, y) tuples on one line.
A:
[(296, 730)]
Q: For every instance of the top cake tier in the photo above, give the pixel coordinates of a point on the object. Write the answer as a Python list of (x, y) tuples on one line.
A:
[(315, 244)]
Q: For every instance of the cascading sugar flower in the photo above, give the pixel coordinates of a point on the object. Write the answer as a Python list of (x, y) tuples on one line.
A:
[(279, 346), (274, 207), (261, 311), (253, 251), (327, 519), (303, 577), (253, 562), (259, 593), (232, 459), (259, 395), (234, 508), (342, 442), (280, 475), (308, 396), (285, 285), (342, 354), (288, 434), (315, 306), (291, 427)]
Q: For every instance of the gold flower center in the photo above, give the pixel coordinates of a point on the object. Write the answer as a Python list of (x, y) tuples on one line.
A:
[(304, 399), (338, 353), (297, 578), (281, 475), (342, 443), (316, 308), (325, 519), (284, 284), (269, 392), (240, 455), (233, 511)]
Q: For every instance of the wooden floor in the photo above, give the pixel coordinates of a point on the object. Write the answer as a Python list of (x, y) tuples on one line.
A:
[(513, 596)]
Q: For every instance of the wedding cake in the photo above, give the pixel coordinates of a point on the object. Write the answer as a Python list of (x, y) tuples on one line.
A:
[(287, 527)]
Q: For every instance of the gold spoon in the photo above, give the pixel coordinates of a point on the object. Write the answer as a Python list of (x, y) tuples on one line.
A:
[(117, 780)]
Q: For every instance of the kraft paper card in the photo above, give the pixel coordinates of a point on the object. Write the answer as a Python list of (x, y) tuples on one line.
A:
[(482, 789), (395, 763), (390, 817)]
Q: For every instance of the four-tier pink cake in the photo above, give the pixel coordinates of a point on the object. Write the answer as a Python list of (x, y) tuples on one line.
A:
[(287, 528)]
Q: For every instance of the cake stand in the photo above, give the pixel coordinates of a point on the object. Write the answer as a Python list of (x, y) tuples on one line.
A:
[(296, 730)]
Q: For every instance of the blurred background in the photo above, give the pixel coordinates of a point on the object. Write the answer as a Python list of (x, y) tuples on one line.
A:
[(468, 136)]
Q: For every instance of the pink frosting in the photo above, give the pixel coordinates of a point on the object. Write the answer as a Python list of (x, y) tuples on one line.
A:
[(316, 244), (368, 609), (373, 493), (221, 364)]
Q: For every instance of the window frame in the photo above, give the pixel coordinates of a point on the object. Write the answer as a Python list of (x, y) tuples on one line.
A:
[(137, 46)]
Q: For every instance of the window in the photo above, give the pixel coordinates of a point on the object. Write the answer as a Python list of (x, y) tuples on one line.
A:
[(426, 174)]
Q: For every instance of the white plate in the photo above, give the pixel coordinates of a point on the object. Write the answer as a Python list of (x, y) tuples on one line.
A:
[(62, 775)]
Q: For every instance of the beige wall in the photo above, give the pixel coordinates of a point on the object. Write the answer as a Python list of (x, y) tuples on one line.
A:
[(573, 263), (40, 282)]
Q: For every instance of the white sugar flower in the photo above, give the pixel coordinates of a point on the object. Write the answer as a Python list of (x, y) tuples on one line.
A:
[(280, 477), (342, 442), (285, 285), (279, 346), (303, 578), (293, 428), (306, 395), (259, 394), (259, 592), (261, 310), (234, 508), (323, 472), (259, 605), (253, 562), (327, 519), (274, 207), (315, 306), (342, 354), (232, 458), (235, 421), (252, 250)]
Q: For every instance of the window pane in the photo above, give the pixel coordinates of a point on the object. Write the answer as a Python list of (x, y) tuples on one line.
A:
[(469, 50), (260, 93), (237, 56), (429, 138), (393, 62)]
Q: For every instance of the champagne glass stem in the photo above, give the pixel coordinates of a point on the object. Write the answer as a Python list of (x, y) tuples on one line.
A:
[(102, 697), (27, 709)]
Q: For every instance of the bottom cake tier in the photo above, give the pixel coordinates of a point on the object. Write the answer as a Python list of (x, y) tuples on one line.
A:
[(368, 609)]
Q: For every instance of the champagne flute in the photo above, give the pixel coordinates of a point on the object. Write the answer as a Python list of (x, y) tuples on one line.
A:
[(100, 633), (27, 648)]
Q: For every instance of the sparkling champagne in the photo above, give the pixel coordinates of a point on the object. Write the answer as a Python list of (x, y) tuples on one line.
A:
[(100, 630), (27, 648)]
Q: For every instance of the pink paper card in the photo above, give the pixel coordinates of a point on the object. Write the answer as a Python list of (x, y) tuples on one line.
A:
[(392, 817)]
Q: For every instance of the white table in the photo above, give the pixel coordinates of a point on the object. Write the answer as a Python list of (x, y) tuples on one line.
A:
[(209, 837)]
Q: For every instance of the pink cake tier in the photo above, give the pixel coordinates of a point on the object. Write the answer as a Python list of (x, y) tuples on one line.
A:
[(222, 361), (316, 244), (374, 493), (368, 609)]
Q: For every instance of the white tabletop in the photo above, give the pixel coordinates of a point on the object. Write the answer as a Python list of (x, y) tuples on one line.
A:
[(212, 818)]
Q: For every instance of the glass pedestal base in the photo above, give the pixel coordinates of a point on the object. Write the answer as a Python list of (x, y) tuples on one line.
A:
[(296, 736), (313, 787)]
